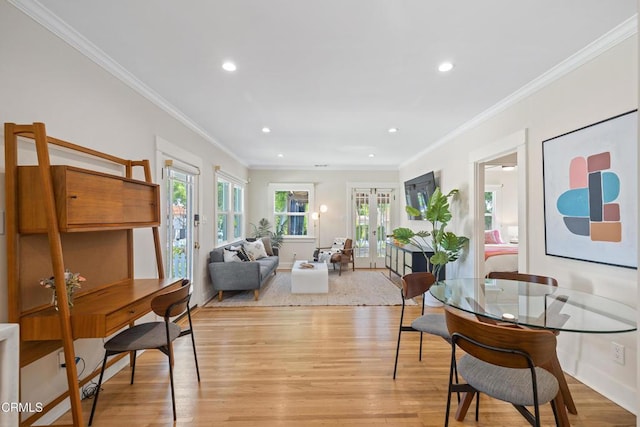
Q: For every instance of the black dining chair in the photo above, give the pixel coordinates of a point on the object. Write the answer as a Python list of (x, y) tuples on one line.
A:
[(502, 362), (414, 285), (154, 335)]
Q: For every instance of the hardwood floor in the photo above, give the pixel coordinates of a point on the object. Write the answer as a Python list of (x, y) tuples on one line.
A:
[(299, 366)]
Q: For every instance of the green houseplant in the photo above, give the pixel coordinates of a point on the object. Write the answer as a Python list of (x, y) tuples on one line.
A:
[(263, 229), (446, 245)]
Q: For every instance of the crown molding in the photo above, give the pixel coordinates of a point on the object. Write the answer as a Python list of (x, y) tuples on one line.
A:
[(610, 39), (58, 27)]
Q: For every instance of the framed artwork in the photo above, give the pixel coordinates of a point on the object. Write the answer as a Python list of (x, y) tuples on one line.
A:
[(590, 192)]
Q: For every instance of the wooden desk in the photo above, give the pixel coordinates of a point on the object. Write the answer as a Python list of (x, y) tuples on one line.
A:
[(100, 313), (94, 315)]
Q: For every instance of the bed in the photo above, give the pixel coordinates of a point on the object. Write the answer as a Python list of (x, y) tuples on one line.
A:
[(498, 255)]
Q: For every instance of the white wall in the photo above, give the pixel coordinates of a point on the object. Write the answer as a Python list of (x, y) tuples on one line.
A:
[(330, 190), (601, 88), (42, 79)]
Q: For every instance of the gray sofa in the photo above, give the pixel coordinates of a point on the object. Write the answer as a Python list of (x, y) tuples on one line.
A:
[(240, 276)]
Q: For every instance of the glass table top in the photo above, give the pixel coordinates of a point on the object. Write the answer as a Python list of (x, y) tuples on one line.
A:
[(536, 305)]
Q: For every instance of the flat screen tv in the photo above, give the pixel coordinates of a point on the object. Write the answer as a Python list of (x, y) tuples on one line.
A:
[(418, 191)]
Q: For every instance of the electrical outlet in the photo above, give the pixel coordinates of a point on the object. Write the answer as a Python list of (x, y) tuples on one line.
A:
[(617, 352), (63, 363)]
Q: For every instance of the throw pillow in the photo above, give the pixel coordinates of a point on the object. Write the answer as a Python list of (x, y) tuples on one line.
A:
[(266, 241), (492, 237), (242, 254), (231, 256), (255, 249)]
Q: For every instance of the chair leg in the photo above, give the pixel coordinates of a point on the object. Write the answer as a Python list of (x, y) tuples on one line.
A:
[(95, 398), (395, 366), (173, 397), (555, 412), (420, 352), (193, 343), (133, 365)]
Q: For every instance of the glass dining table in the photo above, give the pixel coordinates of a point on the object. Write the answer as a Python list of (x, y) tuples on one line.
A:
[(534, 305)]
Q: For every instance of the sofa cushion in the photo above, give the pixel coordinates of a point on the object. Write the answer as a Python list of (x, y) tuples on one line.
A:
[(216, 255), (255, 249), (231, 256), (266, 241)]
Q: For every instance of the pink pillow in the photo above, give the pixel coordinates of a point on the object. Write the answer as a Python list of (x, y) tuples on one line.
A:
[(492, 237)]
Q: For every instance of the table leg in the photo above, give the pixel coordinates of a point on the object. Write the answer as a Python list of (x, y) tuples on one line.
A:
[(463, 406), (556, 370)]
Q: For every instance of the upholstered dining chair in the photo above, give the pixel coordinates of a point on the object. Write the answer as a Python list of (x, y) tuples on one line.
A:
[(154, 335), (502, 362), (523, 277), (414, 285)]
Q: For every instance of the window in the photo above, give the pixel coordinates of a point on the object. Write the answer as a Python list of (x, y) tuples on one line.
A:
[(230, 210), (291, 208), (491, 198)]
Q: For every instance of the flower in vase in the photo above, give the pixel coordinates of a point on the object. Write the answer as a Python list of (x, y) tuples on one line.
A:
[(72, 281)]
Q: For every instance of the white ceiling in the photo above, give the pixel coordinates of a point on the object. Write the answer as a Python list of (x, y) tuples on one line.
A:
[(330, 77)]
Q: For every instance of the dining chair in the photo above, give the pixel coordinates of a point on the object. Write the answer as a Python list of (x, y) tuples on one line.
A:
[(503, 362), (414, 285), (523, 277), (154, 335), (552, 310)]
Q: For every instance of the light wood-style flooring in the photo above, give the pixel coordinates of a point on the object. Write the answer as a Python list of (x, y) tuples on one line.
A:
[(309, 366)]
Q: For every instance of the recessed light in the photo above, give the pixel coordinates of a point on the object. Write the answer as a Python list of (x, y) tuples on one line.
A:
[(372, 155), (280, 155), (266, 130), (393, 130), (229, 66), (445, 66)]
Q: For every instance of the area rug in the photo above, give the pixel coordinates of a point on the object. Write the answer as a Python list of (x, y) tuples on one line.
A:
[(351, 288)]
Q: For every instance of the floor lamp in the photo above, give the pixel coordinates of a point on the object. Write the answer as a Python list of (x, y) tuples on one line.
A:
[(316, 216)]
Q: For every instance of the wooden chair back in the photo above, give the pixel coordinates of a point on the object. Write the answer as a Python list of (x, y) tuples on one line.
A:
[(539, 344), (523, 277), (172, 303), (416, 284)]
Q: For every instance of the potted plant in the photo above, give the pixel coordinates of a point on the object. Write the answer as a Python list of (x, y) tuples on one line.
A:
[(446, 245), (263, 229)]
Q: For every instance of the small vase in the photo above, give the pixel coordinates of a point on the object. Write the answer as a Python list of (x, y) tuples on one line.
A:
[(54, 298)]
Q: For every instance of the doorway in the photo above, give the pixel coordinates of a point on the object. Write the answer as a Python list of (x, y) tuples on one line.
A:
[(371, 212), (514, 147), (181, 220)]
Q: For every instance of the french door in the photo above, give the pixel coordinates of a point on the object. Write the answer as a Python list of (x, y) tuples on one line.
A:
[(371, 213), (181, 202)]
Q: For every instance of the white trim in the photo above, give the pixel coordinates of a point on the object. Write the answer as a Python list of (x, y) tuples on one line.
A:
[(190, 163), (310, 188), (617, 35), (228, 177), (517, 142), (58, 27)]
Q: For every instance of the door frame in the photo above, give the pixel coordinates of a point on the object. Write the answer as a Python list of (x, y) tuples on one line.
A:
[(166, 150), (351, 185), (515, 142)]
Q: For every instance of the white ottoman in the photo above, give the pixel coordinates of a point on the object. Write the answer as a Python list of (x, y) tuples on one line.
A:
[(309, 280)]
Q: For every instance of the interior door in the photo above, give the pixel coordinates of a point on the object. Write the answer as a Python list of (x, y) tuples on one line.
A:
[(371, 213)]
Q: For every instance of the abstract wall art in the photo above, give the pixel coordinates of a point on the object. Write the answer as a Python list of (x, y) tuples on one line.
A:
[(590, 192)]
